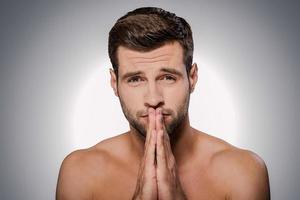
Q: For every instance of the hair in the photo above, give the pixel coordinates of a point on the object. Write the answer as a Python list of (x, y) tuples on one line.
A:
[(147, 28)]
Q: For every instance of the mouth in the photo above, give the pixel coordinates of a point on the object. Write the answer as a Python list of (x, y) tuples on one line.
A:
[(164, 115)]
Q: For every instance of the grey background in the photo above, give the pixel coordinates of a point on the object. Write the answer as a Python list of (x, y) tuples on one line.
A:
[(44, 48)]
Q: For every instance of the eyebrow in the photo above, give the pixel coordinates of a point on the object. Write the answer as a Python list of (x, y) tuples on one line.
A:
[(129, 74), (164, 69), (171, 71)]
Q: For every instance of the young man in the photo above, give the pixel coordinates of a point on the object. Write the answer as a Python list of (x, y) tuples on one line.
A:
[(161, 156)]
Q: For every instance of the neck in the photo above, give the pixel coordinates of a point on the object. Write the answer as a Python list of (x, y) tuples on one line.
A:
[(182, 142)]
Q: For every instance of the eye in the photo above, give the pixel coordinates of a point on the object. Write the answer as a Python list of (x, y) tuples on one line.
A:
[(169, 78), (134, 79)]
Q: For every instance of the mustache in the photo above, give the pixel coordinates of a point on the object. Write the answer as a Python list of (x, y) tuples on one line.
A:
[(166, 111)]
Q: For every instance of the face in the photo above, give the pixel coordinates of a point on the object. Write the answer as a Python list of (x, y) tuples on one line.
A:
[(157, 78)]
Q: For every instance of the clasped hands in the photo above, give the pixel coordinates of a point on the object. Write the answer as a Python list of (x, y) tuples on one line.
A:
[(158, 178)]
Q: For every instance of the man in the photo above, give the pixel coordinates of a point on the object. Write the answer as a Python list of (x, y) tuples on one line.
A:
[(161, 156)]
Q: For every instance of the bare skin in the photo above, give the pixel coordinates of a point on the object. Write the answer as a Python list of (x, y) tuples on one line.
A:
[(110, 171), (187, 165)]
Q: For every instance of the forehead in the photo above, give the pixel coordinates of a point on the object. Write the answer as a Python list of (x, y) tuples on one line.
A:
[(168, 55)]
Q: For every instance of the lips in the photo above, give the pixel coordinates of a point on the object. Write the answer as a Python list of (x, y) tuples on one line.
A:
[(164, 114), (144, 114)]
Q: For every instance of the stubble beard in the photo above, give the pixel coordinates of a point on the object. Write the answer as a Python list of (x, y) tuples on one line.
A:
[(172, 127)]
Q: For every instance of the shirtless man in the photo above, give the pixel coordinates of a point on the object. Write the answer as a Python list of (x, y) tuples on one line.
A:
[(161, 156)]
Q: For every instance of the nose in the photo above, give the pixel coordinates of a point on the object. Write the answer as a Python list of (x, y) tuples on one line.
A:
[(153, 96)]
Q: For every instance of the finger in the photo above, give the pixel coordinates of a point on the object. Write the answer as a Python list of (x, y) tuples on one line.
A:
[(161, 154), (146, 184), (160, 126), (151, 117), (168, 151), (151, 124), (151, 137), (148, 173), (167, 143), (150, 151), (158, 119)]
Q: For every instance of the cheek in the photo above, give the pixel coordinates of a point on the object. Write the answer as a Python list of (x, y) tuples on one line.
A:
[(132, 98), (176, 96)]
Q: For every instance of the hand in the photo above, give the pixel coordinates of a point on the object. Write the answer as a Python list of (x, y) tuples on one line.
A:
[(168, 184), (157, 178), (146, 187)]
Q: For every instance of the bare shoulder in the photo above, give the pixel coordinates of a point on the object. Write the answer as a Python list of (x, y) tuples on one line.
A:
[(82, 169), (242, 173)]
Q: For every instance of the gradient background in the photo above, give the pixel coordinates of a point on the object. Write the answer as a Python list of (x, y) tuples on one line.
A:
[(49, 50)]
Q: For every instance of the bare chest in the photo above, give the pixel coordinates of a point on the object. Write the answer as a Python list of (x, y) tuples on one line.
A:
[(199, 185), (196, 185)]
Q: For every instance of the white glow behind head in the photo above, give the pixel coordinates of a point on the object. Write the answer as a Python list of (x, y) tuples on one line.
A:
[(97, 113)]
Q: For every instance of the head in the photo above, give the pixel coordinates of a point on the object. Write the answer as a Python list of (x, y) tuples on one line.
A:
[(151, 51)]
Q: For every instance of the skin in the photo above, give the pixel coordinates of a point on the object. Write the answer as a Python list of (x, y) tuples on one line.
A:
[(161, 156)]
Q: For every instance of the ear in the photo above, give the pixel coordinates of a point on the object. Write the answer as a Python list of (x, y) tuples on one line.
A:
[(193, 77), (113, 81)]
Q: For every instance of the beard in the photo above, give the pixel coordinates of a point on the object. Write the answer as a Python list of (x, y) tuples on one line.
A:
[(175, 123)]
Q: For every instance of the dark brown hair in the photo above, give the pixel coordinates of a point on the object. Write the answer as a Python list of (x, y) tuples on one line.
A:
[(147, 28)]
